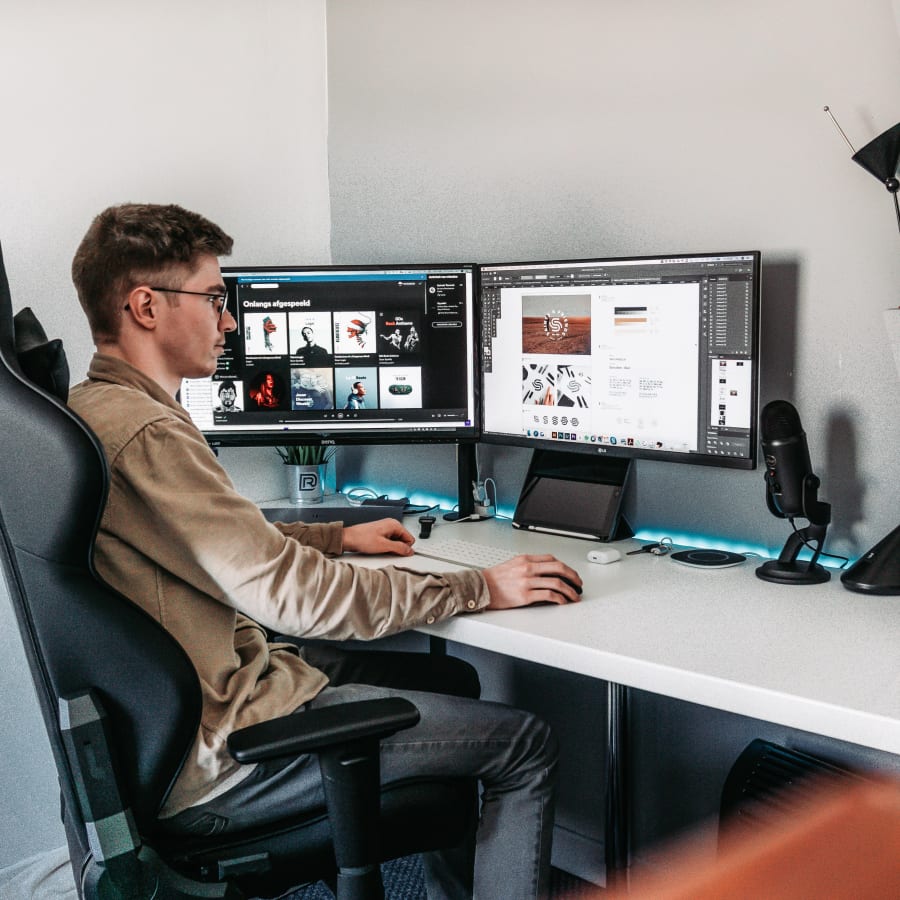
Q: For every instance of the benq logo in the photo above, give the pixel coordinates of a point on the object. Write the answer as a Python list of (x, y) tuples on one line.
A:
[(309, 481)]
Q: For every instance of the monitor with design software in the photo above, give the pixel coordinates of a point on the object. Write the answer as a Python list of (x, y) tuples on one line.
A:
[(647, 357)]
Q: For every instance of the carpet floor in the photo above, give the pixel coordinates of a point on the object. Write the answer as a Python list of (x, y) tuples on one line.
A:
[(403, 880)]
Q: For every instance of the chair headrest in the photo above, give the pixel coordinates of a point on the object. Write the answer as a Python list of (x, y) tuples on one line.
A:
[(43, 362)]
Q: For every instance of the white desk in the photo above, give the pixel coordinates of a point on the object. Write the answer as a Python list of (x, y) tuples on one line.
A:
[(817, 658)]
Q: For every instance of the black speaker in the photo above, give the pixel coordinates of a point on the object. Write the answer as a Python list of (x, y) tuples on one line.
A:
[(878, 571)]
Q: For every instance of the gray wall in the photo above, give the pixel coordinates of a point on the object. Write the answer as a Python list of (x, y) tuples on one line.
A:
[(672, 134), (513, 130), (218, 105), (509, 130)]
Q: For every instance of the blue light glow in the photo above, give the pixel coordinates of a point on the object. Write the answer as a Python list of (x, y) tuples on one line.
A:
[(418, 498), (705, 542), (680, 538)]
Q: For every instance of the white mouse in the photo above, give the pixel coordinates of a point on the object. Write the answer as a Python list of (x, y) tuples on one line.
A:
[(604, 556)]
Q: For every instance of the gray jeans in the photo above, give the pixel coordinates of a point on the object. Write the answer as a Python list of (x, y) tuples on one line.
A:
[(511, 752)]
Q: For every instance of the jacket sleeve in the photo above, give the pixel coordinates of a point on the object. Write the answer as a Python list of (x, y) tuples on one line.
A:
[(326, 537), (199, 530)]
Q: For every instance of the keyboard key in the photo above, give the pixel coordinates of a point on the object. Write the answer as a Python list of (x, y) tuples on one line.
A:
[(464, 553)]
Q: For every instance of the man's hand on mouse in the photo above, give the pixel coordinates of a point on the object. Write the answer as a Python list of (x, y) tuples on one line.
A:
[(524, 580)]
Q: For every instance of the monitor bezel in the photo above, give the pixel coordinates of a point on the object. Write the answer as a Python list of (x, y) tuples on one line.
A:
[(324, 437), (623, 451)]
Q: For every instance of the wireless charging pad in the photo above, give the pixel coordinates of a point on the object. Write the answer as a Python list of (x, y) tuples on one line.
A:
[(708, 559)]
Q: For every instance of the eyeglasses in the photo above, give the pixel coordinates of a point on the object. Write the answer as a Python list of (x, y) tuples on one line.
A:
[(220, 299)]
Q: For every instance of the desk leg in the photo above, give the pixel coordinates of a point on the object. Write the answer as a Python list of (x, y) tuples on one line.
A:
[(616, 836)]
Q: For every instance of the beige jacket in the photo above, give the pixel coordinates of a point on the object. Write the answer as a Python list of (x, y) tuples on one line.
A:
[(178, 540)]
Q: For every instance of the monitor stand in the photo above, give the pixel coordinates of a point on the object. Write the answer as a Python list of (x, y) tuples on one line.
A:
[(574, 495), (466, 476)]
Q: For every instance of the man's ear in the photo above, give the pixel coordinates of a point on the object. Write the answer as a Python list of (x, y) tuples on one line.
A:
[(141, 306)]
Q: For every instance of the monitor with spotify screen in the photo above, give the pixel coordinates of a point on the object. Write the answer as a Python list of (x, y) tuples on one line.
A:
[(343, 354), (597, 362)]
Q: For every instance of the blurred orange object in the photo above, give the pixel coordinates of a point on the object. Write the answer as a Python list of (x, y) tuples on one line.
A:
[(845, 845)]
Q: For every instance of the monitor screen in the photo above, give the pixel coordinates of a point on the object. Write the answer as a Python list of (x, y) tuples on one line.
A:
[(653, 357), (343, 354)]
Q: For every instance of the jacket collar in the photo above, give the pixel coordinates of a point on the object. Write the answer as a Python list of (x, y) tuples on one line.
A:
[(113, 370)]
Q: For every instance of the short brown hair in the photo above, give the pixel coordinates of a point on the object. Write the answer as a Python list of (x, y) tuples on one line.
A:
[(132, 244)]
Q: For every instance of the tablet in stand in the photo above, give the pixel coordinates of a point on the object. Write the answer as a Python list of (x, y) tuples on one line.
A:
[(574, 496)]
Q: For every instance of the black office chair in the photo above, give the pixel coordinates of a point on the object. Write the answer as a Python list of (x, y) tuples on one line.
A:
[(121, 700)]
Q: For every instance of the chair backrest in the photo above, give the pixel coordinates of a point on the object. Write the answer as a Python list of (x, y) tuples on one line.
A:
[(78, 633)]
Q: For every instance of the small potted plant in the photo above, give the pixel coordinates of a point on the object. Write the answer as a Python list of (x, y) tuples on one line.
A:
[(305, 467)]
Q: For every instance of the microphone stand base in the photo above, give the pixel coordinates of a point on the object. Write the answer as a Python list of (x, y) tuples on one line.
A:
[(787, 569), (793, 572)]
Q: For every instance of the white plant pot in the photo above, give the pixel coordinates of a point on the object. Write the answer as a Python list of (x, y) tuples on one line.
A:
[(306, 484)]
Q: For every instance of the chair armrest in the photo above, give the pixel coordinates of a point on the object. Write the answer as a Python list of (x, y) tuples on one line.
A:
[(314, 730), (346, 739)]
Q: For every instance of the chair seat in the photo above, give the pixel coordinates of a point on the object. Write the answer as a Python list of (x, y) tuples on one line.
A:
[(417, 815)]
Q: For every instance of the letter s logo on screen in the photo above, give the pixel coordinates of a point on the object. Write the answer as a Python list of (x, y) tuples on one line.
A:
[(556, 325)]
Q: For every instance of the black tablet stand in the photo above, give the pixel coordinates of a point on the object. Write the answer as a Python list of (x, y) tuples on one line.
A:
[(574, 495)]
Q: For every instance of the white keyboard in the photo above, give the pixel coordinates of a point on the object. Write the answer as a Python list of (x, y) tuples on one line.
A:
[(463, 553)]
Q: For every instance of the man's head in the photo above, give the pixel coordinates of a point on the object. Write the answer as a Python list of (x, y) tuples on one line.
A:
[(359, 389), (134, 244), (307, 334)]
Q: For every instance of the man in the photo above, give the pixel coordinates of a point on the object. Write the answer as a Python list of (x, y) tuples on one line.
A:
[(394, 339), (178, 540), (356, 399), (227, 397), (312, 354), (265, 395), (311, 389)]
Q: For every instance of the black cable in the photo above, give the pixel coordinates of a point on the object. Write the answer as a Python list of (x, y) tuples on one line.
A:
[(412, 509), (813, 549)]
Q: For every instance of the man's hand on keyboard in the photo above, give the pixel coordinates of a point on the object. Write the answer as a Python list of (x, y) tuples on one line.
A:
[(531, 579), (381, 536)]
